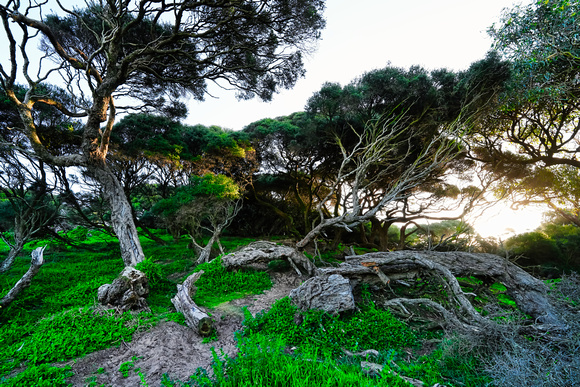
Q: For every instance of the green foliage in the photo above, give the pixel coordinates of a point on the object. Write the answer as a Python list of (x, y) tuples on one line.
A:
[(537, 247), (64, 336), (42, 375), (218, 187), (262, 361), (540, 38), (369, 328), (152, 270), (125, 367), (218, 285)]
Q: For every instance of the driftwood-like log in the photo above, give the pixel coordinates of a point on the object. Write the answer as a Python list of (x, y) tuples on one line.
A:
[(529, 293), (195, 318), (24, 282), (258, 254)]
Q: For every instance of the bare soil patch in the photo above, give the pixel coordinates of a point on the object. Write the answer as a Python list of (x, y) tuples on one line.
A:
[(175, 349)]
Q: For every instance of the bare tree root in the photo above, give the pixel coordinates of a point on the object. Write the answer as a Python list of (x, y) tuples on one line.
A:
[(529, 293), (258, 254), (24, 282)]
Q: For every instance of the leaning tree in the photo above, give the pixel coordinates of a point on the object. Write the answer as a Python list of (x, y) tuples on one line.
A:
[(146, 51)]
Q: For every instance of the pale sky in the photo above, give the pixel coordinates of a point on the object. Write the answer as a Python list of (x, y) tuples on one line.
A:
[(365, 35)]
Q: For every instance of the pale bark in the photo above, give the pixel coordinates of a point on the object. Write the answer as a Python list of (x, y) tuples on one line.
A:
[(24, 282), (258, 254), (529, 293), (195, 318), (121, 215), (126, 292), (15, 249)]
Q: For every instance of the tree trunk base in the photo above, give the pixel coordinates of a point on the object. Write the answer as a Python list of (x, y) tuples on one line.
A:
[(126, 292)]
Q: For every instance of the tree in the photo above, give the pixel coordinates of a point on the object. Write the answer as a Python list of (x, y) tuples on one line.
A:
[(297, 157), (207, 203), (29, 197), (152, 52), (377, 154), (532, 137)]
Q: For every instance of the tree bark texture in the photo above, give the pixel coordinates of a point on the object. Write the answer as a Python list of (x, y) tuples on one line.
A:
[(126, 292), (121, 214), (195, 318), (529, 293), (258, 254), (12, 254), (24, 282), (332, 294)]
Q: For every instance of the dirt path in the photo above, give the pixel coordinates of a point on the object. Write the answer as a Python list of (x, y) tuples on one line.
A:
[(174, 349)]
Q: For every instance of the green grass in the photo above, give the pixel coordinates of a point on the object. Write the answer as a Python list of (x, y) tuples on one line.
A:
[(262, 361), (55, 320), (369, 328), (217, 285)]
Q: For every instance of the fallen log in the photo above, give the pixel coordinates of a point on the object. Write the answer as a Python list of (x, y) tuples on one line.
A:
[(529, 293), (195, 318), (258, 254)]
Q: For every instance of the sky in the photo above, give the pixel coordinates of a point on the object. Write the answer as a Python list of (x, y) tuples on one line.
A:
[(365, 35)]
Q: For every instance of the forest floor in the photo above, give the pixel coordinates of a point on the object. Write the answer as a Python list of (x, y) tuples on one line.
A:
[(173, 348)]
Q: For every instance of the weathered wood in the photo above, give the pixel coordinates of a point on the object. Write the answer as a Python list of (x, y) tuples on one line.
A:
[(35, 263), (529, 293), (195, 318), (126, 292), (258, 254), (332, 294)]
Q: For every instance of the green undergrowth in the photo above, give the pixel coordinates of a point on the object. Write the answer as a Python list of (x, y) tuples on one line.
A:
[(263, 361), (57, 319), (63, 336), (217, 285), (370, 328), (289, 347)]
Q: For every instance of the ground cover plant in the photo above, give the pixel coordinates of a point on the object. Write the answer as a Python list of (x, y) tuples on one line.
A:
[(57, 320), (57, 317)]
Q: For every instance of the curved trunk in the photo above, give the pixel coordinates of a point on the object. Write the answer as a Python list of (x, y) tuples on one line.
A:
[(121, 214)]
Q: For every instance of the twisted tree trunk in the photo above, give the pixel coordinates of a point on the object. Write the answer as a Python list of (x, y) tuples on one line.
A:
[(529, 293), (121, 214)]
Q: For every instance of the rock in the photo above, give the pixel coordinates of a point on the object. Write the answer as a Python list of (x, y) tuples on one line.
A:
[(126, 292), (332, 294)]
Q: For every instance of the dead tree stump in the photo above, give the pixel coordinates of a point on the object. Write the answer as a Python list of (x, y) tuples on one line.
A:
[(195, 318), (126, 292)]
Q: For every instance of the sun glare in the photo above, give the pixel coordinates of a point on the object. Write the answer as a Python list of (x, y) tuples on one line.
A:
[(503, 222)]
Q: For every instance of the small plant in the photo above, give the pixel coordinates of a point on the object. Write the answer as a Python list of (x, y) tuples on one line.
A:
[(125, 367), (152, 270)]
